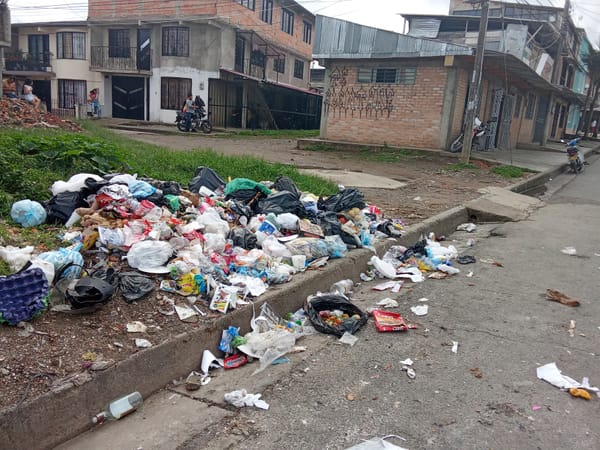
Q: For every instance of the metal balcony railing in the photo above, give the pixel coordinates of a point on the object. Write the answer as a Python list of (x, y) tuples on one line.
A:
[(28, 62), (120, 59)]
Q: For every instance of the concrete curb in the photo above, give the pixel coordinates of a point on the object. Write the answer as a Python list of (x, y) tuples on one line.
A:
[(53, 418)]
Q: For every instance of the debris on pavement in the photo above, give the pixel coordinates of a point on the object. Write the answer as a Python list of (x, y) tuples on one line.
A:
[(241, 398), (142, 343), (388, 303), (348, 339), (476, 371), (378, 444), (420, 310), (557, 296), (389, 321), (553, 375), (571, 251), (454, 347), (468, 227)]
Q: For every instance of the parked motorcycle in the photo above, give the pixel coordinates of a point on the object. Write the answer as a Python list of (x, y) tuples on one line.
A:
[(479, 131), (199, 121), (576, 159)]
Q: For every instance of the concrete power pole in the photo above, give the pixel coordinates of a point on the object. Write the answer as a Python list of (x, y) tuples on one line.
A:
[(475, 84), (5, 34)]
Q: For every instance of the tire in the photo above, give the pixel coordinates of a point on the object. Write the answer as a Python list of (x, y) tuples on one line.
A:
[(206, 126), (457, 144), (573, 166), (181, 125)]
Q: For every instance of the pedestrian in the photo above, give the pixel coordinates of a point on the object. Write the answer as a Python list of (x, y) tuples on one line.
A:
[(28, 95), (9, 87), (188, 109), (593, 126), (94, 102)]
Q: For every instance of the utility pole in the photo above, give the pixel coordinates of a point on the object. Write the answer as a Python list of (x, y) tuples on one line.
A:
[(5, 34), (556, 68), (475, 84)]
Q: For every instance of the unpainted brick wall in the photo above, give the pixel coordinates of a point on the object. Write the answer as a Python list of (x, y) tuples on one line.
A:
[(412, 121)]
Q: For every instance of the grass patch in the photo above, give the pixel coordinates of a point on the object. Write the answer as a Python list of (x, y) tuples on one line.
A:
[(457, 167), (389, 155), (320, 148), (508, 171), (33, 161)]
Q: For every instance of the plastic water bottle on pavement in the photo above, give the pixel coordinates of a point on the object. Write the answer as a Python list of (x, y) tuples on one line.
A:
[(119, 408)]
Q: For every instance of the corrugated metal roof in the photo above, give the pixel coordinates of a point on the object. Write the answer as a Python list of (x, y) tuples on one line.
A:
[(335, 38)]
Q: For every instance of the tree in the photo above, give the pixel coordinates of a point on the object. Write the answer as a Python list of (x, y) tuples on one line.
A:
[(593, 63)]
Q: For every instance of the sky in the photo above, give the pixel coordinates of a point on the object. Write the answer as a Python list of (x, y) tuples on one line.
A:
[(376, 13)]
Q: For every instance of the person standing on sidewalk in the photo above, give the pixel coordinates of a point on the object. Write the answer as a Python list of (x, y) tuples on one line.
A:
[(188, 109)]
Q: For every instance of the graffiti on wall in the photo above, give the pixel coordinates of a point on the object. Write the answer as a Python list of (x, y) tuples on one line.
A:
[(342, 99)]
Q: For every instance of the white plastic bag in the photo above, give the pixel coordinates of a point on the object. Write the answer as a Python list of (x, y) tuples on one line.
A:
[(16, 257), (212, 222), (149, 254), (74, 184), (272, 247), (386, 269)]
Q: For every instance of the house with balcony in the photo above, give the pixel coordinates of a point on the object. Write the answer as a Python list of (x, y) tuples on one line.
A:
[(56, 56), (248, 59), (533, 72)]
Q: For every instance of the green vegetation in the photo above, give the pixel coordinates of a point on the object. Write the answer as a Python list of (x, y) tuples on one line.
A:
[(509, 171), (320, 148), (31, 162), (388, 154)]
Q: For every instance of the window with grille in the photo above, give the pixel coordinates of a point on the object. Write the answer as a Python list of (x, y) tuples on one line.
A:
[(70, 45), (279, 65), (530, 108), (118, 43), (287, 21), (71, 93), (176, 41), (402, 75), (518, 105), (250, 4), (174, 91), (299, 69), (266, 13), (307, 32)]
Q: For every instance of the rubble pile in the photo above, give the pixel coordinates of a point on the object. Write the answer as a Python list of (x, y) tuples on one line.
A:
[(18, 113)]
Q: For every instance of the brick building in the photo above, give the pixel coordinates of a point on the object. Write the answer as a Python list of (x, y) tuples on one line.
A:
[(248, 59)]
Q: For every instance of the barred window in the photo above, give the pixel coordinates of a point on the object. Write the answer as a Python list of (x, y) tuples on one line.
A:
[(298, 69), (307, 33), (402, 75), (518, 105), (118, 43), (530, 107), (176, 41), (279, 65), (287, 21), (174, 91), (266, 13), (71, 93), (247, 3), (70, 45)]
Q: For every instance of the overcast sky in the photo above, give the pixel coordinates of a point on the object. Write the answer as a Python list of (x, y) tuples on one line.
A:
[(375, 13)]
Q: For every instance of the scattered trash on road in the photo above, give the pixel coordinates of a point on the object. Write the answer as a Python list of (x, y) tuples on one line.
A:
[(557, 296), (388, 321), (378, 444), (119, 408), (454, 347), (552, 374), (420, 310), (468, 227), (241, 398), (571, 251)]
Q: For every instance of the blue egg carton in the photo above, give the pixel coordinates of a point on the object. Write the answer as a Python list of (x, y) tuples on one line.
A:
[(23, 296)]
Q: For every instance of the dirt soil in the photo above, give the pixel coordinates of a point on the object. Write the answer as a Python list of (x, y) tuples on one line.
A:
[(58, 350)]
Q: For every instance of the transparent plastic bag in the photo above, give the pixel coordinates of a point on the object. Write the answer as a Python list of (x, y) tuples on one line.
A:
[(148, 254)]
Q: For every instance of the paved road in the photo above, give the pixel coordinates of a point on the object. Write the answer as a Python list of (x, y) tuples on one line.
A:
[(484, 396)]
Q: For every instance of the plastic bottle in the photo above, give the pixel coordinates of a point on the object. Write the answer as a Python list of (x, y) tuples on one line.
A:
[(119, 408)]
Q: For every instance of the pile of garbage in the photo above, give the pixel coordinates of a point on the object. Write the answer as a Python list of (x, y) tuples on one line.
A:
[(218, 244), (18, 113)]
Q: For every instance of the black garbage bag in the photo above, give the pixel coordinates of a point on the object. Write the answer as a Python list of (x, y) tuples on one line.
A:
[(329, 223), (342, 201), (242, 237), (282, 202), (241, 210), (331, 302), (284, 183), (92, 186), (60, 207), (419, 249), (135, 285), (158, 198), (206, 177), (248, 197), (167, 187)]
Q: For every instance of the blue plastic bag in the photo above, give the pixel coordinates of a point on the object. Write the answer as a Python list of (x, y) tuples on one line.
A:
[(28, 213), (141, 189), (64, 256)]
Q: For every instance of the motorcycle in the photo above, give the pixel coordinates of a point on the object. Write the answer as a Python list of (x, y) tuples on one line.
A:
[(199, 121), (576, 159), (479, 131)]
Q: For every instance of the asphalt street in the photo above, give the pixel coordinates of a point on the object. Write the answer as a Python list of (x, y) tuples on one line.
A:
[(483, 396)]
